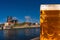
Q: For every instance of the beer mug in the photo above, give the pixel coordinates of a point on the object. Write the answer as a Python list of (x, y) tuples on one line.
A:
[(50, 22)]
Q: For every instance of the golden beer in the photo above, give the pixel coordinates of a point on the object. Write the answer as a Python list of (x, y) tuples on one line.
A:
[(50, 22)]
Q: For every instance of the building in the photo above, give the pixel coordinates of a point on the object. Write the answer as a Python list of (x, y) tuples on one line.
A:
[(11, 19)]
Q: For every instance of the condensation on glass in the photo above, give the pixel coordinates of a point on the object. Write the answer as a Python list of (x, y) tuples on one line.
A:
[(50, 22)]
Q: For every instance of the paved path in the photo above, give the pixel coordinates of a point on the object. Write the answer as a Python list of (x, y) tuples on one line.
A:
[(37, 38)]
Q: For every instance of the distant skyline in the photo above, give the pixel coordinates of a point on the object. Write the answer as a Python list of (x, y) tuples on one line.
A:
[(19, 9)]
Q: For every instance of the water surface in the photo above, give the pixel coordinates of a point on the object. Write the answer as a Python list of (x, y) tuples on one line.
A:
[(19, 34)]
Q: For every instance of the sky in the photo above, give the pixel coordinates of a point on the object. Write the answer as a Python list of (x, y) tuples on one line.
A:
[(49, 2), (20, 9)]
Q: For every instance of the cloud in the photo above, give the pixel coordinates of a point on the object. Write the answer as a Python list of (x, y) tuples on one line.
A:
[(27, 17)]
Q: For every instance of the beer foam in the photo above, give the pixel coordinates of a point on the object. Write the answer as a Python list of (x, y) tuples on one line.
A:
[(50, 7)]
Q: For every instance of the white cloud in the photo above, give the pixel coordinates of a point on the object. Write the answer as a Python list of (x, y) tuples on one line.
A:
[(27, 17)]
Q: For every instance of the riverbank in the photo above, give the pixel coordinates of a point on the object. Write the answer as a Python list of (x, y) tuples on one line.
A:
[(26, 26), (19, 27)]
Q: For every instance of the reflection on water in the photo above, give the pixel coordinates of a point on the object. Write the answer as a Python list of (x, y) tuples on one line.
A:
[(27, 31), (19, 34), (9, 34)]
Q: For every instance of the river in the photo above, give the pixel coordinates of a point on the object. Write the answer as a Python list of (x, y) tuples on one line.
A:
[(20, 34)]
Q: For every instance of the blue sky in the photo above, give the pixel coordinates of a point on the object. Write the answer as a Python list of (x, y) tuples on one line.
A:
[(22, 8), (49, 1), (19, 9)]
